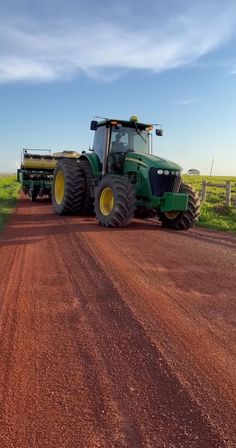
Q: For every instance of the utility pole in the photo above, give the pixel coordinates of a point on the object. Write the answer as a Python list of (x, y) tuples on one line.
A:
[(212, 163)]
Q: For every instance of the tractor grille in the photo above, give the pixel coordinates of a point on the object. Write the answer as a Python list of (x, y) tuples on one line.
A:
[(161, 183)]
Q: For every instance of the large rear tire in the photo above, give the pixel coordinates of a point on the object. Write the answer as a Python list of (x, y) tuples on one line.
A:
[(115, 201), (183, 220), (68, 188), (88, 200)]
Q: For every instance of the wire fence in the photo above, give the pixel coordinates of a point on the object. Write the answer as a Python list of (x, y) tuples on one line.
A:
[(228, 186)]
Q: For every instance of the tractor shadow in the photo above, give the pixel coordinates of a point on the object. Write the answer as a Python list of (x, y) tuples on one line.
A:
[(32, 222)]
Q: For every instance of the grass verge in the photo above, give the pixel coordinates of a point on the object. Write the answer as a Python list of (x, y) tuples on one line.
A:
[(214, 213), (9, 191)]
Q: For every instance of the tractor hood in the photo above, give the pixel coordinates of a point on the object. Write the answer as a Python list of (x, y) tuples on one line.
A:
[(150, 161)]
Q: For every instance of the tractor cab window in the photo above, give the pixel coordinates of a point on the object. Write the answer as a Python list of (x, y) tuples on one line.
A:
[(99, 142), (124, 139), (140, 142), (119, 140)]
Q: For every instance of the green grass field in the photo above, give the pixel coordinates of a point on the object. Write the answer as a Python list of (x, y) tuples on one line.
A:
[(9, 191), (214, 213)]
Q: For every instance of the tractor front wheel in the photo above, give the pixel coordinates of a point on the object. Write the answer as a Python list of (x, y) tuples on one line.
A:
[(68, 188), (115, 201), (183, 220)]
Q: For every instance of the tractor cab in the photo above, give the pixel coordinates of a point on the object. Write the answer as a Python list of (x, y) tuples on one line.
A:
[(114, 139)]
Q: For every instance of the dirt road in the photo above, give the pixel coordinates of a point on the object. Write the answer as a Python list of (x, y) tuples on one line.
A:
[(118, 338)]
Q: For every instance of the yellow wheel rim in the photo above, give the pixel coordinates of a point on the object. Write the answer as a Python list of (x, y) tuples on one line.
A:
[(106, 201), (59, 187), (171, 215)]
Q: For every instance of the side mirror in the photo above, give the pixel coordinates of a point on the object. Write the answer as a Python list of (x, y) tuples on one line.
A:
[(159, 132), (93, 125)]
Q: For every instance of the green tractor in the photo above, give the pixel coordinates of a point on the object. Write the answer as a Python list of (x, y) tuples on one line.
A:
[(120, 178)]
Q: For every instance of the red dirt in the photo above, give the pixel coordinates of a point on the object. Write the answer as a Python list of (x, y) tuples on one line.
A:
[(119, 338)]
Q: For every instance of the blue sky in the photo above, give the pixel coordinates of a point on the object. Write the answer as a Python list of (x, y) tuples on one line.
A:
[(172, 62)]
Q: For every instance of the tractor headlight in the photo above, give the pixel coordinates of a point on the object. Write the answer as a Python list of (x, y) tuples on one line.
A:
[(178, 173), (166, 172), (159, 171)]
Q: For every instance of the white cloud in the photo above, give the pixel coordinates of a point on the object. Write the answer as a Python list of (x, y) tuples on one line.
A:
[(185, 102), (32, 51), (16, 68)]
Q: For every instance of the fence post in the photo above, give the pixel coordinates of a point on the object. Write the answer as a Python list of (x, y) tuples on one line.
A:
[(203, 194), (228, 193)]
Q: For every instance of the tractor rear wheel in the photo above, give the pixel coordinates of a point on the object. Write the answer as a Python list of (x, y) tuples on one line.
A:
[(183, 220), (68, 188), (88, 200), (115, 201)]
